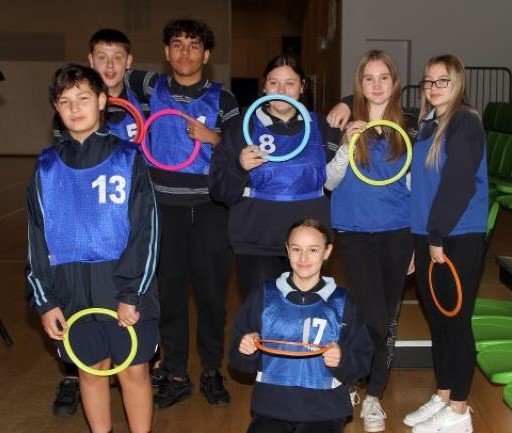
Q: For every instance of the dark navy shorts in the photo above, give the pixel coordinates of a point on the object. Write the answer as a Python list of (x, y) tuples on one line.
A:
[(95, 341)]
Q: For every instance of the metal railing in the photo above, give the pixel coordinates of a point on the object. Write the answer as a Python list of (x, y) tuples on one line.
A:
[(484, 84)]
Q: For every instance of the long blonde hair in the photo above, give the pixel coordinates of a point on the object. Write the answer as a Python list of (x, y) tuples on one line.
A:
[(456, 72), (392, 112)]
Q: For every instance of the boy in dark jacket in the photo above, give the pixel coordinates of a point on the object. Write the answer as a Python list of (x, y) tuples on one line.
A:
[(93, 242)]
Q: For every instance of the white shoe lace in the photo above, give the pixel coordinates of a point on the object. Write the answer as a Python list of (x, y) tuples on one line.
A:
[(372, 410), (431, 407), (439, 418), (354, 398)]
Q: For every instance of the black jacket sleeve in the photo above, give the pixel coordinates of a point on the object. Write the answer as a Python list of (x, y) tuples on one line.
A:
[(227, 178), (136, 267), (39, 276), (247, 321), (356, 345), (331, 137), (465, 147), (141, 83)]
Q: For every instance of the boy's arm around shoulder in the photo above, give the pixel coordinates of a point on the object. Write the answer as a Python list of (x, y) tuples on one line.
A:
[(229, 110), (356, 347), (141, 83), (248, 321), (135, 270), (39, 277)]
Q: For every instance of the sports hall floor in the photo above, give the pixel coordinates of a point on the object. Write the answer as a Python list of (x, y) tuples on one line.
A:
[(29, 373)]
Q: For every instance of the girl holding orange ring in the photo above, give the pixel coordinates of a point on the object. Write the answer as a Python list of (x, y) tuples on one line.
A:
[(308, 394), (449, 200)]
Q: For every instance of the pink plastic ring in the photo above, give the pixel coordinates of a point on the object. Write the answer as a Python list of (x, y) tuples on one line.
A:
[(147, 154), (132, 110)]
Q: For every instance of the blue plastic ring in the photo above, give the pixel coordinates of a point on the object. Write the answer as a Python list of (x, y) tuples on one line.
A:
[(300, 108)]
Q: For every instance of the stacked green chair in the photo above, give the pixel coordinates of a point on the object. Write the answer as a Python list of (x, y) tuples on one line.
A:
[(491, 330), (496, 363), (505, 200), (503, 118), (491, 223), (489, 115), (501, 180), (495, 157), (507, 395), (497, 121), (492, 307)]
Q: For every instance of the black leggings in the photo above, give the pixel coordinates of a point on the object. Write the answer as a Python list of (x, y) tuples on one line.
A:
[(261, 424), (376, 265), (453, 345)]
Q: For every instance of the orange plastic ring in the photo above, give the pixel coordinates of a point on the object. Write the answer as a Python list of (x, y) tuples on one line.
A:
[(259, 343), (458, 286), (132, 110)]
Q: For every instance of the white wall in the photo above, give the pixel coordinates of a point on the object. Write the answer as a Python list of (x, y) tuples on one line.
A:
[(479, 31), (25, 112)]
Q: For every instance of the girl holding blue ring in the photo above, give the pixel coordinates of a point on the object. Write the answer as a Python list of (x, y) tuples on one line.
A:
[(276, 179), (270, 146)]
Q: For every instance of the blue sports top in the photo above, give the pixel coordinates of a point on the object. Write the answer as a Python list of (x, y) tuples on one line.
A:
[(360, 207), (169, 141), (299, 178), (100, 196), (126, 129), (425, 183), (319, 323)]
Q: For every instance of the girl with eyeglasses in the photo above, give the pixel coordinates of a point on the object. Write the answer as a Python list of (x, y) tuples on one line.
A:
[(449, 201)]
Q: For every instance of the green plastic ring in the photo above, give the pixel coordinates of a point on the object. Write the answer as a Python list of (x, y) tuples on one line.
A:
[(67, 345), (352, 145)]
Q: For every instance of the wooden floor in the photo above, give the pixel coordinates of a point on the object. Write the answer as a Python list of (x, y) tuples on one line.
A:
[(29, 372)]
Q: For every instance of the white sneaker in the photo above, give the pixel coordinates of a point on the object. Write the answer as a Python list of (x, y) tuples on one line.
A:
[(373, 415), (446, 421), (429, 409)]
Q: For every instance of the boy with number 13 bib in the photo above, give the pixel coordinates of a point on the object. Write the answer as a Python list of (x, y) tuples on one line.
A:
[(93, 242)]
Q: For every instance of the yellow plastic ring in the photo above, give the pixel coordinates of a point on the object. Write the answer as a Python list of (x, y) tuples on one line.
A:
[(67, 345), (352, 145)]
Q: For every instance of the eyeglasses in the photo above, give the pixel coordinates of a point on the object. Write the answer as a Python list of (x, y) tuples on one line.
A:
[(441, 83)]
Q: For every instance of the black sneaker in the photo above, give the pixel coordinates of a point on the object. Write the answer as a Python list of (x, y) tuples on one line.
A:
[(67, 399), (173, 392), (159, 377), (212, 387)]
